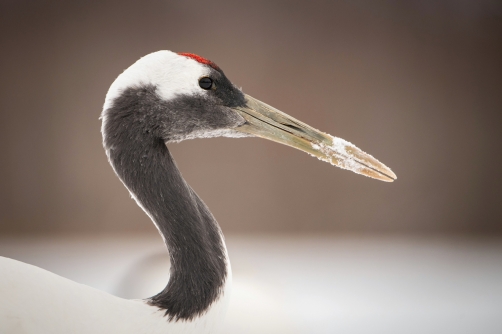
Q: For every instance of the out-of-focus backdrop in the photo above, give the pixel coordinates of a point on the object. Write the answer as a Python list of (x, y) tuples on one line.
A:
[(417, 84)]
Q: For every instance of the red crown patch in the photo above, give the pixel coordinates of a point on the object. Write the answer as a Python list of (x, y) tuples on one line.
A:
[(199, 59)]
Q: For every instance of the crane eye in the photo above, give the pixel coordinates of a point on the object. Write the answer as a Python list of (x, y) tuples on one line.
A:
[(206, 83)]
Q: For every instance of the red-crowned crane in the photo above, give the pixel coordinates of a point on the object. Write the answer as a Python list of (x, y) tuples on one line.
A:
[(166, 97)]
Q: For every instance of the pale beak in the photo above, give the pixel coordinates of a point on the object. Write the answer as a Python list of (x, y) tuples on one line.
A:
[(267, 122)]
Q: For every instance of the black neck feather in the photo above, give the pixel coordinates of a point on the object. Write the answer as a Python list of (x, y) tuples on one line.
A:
[(192, 235)]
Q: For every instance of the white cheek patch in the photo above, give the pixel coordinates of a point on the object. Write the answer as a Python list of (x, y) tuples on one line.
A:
[(171, 73)]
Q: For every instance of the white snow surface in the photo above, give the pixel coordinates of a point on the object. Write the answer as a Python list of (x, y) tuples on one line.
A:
[(319, 284)]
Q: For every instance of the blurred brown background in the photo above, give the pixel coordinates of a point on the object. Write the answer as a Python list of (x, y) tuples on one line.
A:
[(417, 84)]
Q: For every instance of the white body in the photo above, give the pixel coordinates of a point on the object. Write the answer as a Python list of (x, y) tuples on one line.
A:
[(33, 300)]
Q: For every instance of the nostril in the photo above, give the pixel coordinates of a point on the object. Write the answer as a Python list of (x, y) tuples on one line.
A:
[(293, 127)]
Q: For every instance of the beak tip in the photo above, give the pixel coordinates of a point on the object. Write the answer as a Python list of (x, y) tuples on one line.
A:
[(387, 174), (392, 176), (391, 179)]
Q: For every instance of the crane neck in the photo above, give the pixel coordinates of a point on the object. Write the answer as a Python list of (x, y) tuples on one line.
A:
[(199, 265)]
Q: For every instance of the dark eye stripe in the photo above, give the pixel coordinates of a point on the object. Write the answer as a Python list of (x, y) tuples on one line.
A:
[(206, 83)]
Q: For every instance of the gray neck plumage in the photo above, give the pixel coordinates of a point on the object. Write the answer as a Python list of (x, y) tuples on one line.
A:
[(192, 235)]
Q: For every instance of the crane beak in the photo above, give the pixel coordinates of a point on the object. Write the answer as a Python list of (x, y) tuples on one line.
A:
[(267, 122)]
